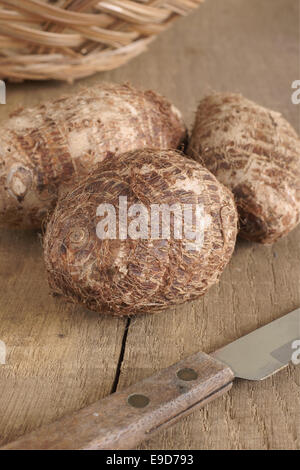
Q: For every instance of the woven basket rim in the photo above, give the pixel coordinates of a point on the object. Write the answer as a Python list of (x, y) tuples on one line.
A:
[(71, 39)]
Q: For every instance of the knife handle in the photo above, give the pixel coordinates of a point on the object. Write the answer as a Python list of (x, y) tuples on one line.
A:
[(125, 419)]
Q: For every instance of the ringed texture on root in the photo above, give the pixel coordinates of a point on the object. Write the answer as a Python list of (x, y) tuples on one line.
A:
[(256, 153), (131, 276), (44, 148)]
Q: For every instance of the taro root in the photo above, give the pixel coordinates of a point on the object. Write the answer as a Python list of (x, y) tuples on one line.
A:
[(44, 148), (133, 266), (256, 153)]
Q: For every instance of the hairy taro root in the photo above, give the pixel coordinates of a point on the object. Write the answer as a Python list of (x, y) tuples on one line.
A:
[(256, 153), (44, 148), (131, 275)]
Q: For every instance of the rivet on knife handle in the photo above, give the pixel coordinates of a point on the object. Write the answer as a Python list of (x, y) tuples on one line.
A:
[(124, 419)]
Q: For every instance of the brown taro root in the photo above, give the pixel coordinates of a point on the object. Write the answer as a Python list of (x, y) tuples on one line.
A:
[(44, 148), (256, 153), (124, 276)]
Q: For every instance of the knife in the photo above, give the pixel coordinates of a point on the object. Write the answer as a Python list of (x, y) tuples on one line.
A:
[(125, 419)]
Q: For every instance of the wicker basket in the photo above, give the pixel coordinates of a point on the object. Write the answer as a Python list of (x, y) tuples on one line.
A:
[(70, 39)]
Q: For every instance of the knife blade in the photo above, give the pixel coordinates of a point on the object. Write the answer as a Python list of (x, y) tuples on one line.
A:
[(265, 351), (126, 418)]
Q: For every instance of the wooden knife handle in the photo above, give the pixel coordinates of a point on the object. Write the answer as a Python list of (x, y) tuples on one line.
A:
[(125, 419)]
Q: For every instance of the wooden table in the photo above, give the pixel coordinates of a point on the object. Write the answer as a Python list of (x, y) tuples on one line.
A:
[(62, 357)]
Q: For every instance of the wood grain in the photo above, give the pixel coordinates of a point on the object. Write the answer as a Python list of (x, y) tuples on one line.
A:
[(59, 357), (125, 419), (237, 45)]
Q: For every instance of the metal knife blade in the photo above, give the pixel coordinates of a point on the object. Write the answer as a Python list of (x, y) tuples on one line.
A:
[(265, 351)]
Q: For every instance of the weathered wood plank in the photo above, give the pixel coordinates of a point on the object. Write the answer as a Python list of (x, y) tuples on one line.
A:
[(61, 357)]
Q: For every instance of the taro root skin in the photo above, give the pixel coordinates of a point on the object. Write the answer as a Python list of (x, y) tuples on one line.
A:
[(132, 276), (256, 153), (44, 148)]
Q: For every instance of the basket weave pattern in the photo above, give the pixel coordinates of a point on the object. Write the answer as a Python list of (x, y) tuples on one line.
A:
[(70, 39)]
